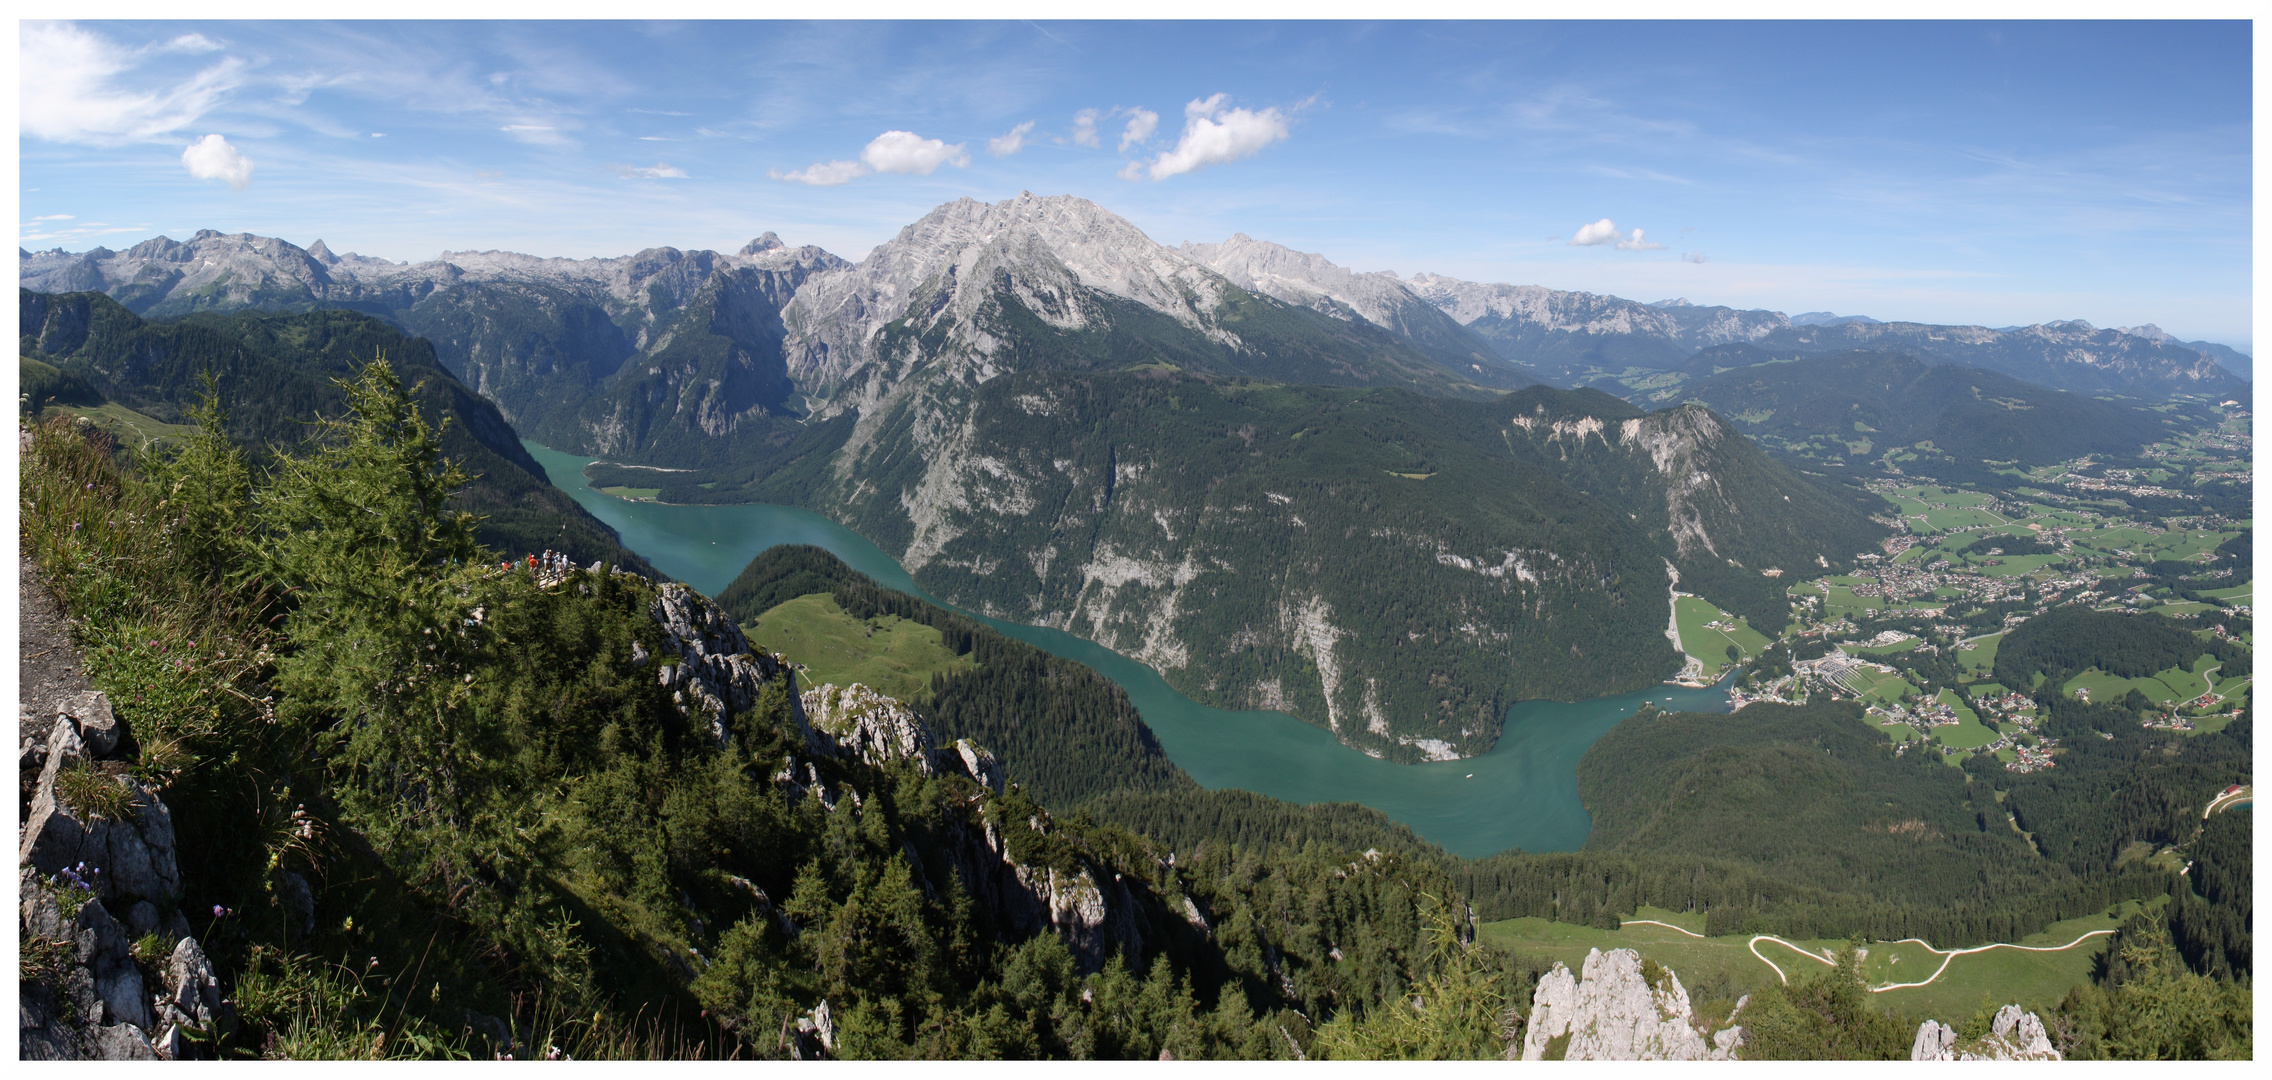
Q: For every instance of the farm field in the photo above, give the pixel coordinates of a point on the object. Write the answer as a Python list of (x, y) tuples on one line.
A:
[(1980, 657), (891, 654), (2167, 686), (1708, 645), (1968, 732), (2238, 596)]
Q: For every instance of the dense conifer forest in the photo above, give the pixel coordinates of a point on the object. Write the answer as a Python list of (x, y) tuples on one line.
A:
[(275, 374)]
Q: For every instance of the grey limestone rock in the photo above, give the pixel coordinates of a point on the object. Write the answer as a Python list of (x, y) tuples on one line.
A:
[(980, 764), (2015, 1035), (194, 991), (856, 721), (91, 713), (1613, 1013), (716, 674), (136, 856)]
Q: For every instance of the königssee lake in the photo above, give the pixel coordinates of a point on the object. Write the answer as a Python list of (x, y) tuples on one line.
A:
[(1524, 793)]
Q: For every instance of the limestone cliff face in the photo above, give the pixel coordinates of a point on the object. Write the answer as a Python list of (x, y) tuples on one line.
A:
[(1617, 1012), (1087, 905), (711, 670)]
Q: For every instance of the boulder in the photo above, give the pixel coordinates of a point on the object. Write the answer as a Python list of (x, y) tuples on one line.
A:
[(193, 996), (90, 711), (136, 857), (1614, 1013)]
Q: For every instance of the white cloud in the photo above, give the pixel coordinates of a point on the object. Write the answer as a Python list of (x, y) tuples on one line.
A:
[(1011, 143), (1636, 243), (659, 172), (193, 43), (1085, 128), (212, 158), (71, 88), (1213, 135), (907, 152), (1141, 124), (822, 174), (1604, 232), (1600, 232), (540, 134), (1694, 257), (54, 217)]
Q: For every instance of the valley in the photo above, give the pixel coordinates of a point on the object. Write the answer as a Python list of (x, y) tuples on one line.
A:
[(1222, 561), (1522, 794)]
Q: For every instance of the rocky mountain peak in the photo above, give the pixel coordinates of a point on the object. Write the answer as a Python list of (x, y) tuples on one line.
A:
[(764, 243)]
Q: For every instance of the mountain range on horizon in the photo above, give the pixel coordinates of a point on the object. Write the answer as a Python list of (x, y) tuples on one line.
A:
[(1559, 334), (1184, 454)]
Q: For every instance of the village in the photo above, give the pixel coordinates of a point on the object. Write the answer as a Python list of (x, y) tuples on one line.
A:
[(1911, 632)]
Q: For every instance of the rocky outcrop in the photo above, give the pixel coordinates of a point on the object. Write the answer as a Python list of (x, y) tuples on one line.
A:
[(707, 664), (124, 858), (855, 721), (1620, 1010), (82, 993), (1092, 910), (2014, 1036)]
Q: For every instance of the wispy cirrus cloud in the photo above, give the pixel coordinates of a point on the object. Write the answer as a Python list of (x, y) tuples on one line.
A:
[(1142, 123), (80, 87), (658, 171), (1009, 142), (1084, 131), (822, 174)]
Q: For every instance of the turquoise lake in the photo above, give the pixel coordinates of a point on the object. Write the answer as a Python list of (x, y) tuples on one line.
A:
[(1523, 794)]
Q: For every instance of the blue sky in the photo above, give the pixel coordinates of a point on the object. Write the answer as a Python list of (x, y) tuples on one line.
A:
[(1994, 173)]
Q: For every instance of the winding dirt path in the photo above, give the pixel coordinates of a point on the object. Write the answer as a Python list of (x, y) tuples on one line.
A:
[(1946, 955)]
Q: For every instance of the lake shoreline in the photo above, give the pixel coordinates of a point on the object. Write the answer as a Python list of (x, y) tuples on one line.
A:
[(1521, 794)]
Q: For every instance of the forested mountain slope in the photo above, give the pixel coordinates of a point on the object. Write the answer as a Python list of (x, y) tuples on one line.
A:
[(1877, 400), (1396, 568), (274, 374)]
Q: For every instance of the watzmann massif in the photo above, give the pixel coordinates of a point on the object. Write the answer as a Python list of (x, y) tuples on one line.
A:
[(1284, 484)]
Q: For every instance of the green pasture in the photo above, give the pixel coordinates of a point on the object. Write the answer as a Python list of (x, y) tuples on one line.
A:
[(1968, 732), (1955, 519), (1886, 650), (1981, 655), (2019, 565), (1710, 646), (631, 492), (130, 428), (891, 654), (2164, 687), (2237, 596), (2033, 980), (2185, 609)]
